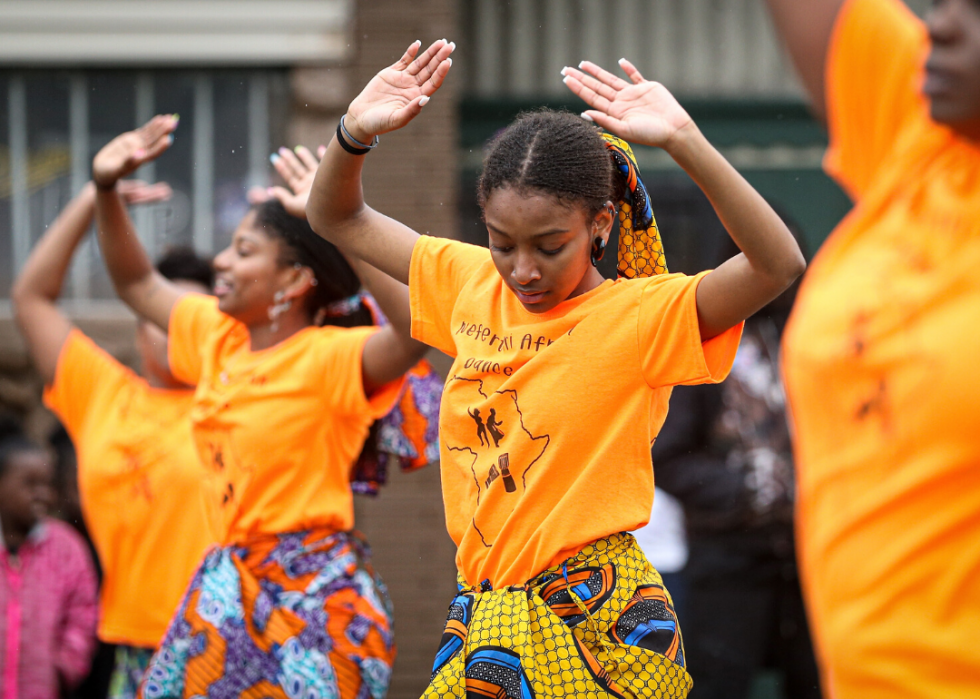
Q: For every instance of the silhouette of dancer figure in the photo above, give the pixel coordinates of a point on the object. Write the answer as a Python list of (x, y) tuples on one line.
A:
[(481, 430), (494, 427)]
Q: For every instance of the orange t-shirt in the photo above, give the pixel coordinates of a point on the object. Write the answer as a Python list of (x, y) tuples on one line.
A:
[(140, 484), (547, 420), (880, 364), (279, 429)]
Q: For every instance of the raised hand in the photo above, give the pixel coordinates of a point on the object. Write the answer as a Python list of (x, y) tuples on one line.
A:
[(139, 192), (298, 168), (640, 111), (397, 94), (125, 153)]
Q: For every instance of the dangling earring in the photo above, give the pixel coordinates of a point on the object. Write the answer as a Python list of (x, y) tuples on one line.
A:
[(598, 250), (281, 305)]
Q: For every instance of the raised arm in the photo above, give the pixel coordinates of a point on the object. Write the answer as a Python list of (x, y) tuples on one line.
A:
[(36, 290), (140, 286), (645, 112), (806, 27), (391, 352), (336, 207)]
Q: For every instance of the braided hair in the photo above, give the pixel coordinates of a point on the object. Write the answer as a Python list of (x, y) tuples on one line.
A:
[(554, 153), (335, 278)]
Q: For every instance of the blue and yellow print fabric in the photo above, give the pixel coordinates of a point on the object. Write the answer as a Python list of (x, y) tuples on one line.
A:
[(600, 625)]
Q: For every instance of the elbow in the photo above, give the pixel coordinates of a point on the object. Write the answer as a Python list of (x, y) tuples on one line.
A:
[(796, 267)]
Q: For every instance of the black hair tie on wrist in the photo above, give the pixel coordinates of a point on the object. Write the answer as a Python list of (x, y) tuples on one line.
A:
[(351, 144)]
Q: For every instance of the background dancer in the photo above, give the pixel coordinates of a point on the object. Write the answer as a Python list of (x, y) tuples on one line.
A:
[(288, 602), (880, 353), (139, 479), (547, 578)]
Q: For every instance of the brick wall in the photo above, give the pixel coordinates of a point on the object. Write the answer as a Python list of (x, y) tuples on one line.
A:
[(412, 177)]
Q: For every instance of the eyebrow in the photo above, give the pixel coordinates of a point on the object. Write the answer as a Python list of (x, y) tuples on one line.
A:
[(533, 237)]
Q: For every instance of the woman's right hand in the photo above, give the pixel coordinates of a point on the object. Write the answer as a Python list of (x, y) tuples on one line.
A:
[(397, 94), (125, 153)]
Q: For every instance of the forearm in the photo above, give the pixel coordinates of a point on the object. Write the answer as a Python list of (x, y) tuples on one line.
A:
[(43, 274), (136, 281), (337, 212), (806, 27), (758, 231)]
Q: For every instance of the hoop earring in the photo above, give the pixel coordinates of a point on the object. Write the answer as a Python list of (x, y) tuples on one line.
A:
[(598, 250), (281, 305)]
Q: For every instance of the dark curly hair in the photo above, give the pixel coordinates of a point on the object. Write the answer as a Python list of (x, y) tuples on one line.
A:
[(182, 263), (12, 441), (554, 153), (336, 279)]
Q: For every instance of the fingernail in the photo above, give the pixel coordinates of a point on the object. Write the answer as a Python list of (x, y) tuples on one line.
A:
[(564, 69), (140, 153), (450, 62), (621, 60), (581, 63), (274, 158), (296, 149), (170, 139), (423, 101), (268, 190), (586, 117), (452, 45), (175, 116), (566, 79)]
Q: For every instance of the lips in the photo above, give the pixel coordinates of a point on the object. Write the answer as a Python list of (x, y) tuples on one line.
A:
[(221, 287), (939, 81), (530, 297)]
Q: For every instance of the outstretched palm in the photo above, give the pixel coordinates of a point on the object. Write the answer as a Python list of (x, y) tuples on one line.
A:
[(396, 94), (126, 152), (298, 169), (640, 111)]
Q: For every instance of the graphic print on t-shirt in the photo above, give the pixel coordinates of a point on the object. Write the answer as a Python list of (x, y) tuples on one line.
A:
[(504, 451)]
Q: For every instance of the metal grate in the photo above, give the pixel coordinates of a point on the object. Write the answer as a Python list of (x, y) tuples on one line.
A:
[(52, 123)]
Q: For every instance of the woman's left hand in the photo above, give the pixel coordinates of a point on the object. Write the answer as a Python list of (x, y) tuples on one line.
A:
[(641, 111), (297, 168)]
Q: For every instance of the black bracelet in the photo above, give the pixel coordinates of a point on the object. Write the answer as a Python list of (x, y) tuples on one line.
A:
[(355, 148)]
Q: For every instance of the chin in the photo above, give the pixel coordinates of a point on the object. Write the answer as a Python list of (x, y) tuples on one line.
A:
[(956, 116)]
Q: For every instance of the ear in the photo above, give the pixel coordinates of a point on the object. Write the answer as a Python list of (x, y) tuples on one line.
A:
[(299, 282), (602, 224)]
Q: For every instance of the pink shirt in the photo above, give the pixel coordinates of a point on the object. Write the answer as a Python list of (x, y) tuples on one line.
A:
[(47, 613)]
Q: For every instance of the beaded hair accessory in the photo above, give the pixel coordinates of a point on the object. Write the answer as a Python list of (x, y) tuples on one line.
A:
[(641, 251)]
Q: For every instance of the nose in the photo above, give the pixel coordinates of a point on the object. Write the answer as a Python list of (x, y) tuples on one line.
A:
[(222, 261), (525, 269), (943, 21)]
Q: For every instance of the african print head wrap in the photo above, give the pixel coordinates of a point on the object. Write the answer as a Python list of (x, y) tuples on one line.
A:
[(641, 252)]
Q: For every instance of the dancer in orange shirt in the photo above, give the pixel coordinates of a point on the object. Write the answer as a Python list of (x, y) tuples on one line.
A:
[(880, 353), (139, 478), (287, 604), (573, 371)]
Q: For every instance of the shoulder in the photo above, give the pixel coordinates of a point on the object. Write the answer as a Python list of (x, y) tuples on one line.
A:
[(63, 537)]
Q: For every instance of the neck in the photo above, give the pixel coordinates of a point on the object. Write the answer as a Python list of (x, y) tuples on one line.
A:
[(263, 336), (13, 537), (171, 384), (590, 281)]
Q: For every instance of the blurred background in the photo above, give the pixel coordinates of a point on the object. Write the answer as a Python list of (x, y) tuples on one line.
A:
[(247, 76)]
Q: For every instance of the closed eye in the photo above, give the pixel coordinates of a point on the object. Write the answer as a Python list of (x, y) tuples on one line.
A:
[(553, 252)]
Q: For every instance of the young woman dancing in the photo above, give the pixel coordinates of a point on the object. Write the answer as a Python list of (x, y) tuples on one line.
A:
[(556, 600), (287, 604), (139, 478), (880, 355)]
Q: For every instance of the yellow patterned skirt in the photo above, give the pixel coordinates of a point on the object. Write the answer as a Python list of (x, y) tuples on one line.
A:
[(601, 624)]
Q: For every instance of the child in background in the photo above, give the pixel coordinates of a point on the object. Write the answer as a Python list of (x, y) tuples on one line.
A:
[(47, 581)]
